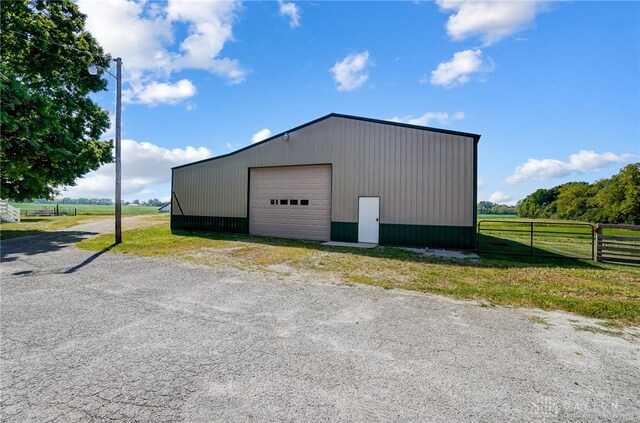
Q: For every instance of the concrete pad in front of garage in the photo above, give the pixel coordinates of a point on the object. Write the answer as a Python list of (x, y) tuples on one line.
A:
[(350, 244), (96, 336)]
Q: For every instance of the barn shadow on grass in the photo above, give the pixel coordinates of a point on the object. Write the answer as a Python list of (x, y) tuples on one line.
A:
[(492, 260)]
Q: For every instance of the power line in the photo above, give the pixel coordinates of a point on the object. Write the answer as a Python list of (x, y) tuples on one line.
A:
[(125, 71)]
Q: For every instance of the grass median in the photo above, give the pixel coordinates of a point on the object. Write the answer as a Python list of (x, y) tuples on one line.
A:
[(583, 287)]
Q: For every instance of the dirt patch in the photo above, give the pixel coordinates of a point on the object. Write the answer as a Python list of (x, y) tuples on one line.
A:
[(445, 254)]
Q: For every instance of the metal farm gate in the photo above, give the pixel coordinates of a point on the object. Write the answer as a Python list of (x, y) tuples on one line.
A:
[(541, 239)]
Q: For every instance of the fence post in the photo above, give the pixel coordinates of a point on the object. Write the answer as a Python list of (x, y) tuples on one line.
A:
[(592, 243), (531, 241), (599, 242)]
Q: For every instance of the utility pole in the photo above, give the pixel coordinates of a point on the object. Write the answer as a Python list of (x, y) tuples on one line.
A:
[(118, 139)]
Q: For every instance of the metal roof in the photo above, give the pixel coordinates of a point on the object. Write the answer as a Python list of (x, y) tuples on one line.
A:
[(476, 137)]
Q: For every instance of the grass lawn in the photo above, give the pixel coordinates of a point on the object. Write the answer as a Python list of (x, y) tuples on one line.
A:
[(36, 225), (583, 287), (89, 209)]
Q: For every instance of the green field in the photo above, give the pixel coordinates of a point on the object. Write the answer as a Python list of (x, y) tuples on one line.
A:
[(87, 209), (497, 216)]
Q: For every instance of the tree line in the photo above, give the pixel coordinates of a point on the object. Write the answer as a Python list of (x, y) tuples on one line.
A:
[(67, 200), (487, 207), (611, 200)]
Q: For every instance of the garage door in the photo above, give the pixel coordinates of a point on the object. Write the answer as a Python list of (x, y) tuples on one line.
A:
[(291, 202)]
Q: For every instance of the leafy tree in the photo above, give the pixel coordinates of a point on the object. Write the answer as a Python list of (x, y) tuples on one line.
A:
[(540, 204), (50, 127), (619, 197), (612, 200), (572, 200), (155, 202)]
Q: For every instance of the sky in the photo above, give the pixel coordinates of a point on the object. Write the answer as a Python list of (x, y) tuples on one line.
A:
[(552, 87)]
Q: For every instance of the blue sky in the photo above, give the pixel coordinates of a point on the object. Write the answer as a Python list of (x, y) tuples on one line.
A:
[(552, 87)]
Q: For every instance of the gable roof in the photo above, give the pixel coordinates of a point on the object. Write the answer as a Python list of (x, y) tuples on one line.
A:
[(475, 137)]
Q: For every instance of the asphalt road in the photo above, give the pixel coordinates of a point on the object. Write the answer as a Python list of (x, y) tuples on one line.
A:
[(102, 336)]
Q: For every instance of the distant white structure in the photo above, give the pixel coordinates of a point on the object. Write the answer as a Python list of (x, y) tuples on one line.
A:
[(165, 209)]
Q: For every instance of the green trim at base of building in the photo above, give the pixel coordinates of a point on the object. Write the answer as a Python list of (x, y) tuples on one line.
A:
[(459, 237), (344, 231), (234, 225)]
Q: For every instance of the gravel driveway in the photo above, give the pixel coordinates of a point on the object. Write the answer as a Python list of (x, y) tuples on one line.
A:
[(102, 336)]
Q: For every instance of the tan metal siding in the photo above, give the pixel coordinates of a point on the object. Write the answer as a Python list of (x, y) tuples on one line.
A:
[(422, 177)]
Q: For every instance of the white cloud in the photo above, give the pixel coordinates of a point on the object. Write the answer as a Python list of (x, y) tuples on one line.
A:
[(581, 162), (124, 30), (163, 93), (457, 71), (350, 73), (110, 133), (143, 165), (499, 197), (443, 118), (481, 183), (210, 25), (157, 39), (261, 135), (231, 69), (489, 20), (292, 11)]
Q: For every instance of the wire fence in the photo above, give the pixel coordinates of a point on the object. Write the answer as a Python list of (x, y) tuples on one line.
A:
[(542, 239), (51, 211)]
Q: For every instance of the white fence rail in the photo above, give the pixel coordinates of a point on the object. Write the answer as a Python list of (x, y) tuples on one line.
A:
[(8, 213)]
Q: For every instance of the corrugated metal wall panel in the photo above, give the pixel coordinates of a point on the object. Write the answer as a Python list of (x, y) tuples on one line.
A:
[(269, 216), (422, 177)]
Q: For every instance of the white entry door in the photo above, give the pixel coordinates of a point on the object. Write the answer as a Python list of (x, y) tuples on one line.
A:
[(368, 219)]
